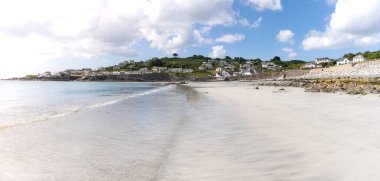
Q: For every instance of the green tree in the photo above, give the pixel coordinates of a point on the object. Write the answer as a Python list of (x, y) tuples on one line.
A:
[(155, 62), (349, 56), (276, 60)]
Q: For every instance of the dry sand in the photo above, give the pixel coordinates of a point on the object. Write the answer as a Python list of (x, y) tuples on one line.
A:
[(267, 135)]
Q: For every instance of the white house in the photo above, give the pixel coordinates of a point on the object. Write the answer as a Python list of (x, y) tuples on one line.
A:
[(219, 69), (45, 74), (236, 74), (267, 64), (175, 70), (343, 61), (309, 65), (322, 60), (158, 69), (201, 68), (207, 65), (246, 73), (270, 65), (223, 74), (358, 58), (87, 71), (229, 66), (187, 70)]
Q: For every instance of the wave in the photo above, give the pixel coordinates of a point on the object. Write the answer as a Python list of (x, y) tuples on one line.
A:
[(82, 107)]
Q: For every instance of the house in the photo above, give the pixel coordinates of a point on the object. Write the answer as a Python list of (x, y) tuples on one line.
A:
[(124, 63), (322, 60), (247, 66), (236, 74), (222, 63), (246, 73), (159, 69), (45, 74), (223, 74), (73, 72), (219, 69), (175, 70), (212, 61), (187, 70), (270, 65), (208, 65), (343, 61), (87, 71), (205, 66), (267, 64), (359, 58), (229, 66), (309, 65)]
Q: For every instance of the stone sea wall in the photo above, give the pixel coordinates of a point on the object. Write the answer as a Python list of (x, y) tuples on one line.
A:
[(364, 69), (154, 77)]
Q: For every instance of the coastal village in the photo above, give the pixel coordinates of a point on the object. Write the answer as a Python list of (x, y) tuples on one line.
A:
[(217, 69)]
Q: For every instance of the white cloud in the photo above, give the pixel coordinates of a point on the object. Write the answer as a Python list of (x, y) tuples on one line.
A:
[(287, 50), (261, 5), (331, 2), (245, 22), (285, 36), (290, 52), (46, 29), (292, 55), (230, 38), (353, 23), (170, 23), (218, 51), (199, 39), (257, 23)]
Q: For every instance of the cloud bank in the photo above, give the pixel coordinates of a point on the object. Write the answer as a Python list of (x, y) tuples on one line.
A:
[(353, 24), (41, 30), (230, 38), (261, 5)]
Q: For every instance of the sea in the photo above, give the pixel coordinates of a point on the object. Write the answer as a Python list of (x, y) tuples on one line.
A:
[(29, 101), (97, 130)]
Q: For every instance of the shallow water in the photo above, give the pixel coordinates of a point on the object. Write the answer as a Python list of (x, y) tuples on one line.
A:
[(28, 101)]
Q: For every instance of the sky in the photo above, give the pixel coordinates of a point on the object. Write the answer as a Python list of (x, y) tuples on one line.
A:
[(41, 35)]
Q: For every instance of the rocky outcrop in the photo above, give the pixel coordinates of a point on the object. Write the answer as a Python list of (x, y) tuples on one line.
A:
[(348, 85)]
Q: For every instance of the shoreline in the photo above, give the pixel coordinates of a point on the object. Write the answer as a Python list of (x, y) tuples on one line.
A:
[(352, 86), (204, 131)]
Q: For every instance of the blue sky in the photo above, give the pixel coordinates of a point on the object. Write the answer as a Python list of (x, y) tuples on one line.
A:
[(55, 35)]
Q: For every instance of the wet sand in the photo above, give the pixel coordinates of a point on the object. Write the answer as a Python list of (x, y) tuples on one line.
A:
[(215, 131)]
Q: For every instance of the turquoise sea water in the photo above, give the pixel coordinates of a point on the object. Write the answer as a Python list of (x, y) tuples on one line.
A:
[(28, 101)]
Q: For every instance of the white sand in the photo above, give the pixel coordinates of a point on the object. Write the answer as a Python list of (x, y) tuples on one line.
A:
[(225, 132), (265, 135)]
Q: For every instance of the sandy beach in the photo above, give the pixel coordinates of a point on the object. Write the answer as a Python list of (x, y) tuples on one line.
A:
[(204, 131), (291, 135)]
